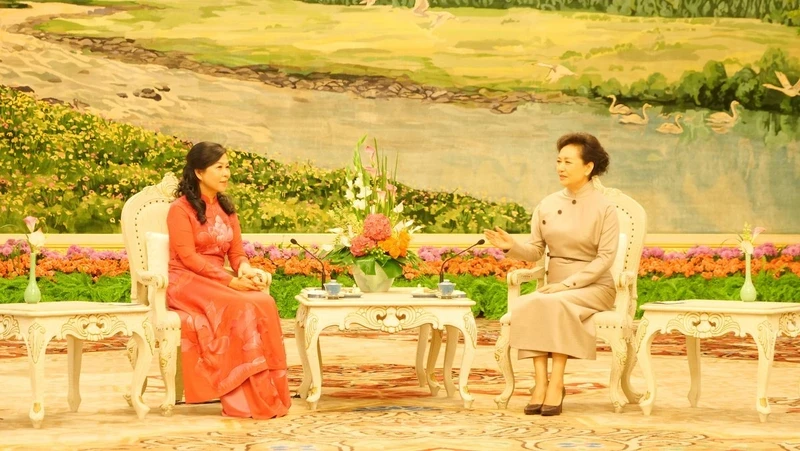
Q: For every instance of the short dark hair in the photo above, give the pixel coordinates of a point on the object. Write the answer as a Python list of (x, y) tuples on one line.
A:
[(591, 151)]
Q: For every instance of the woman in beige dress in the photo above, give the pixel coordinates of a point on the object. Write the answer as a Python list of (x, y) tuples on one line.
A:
[(579, 227)]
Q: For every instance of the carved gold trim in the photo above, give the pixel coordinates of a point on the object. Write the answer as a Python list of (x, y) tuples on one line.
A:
[(766, 338), (9, 327), (36, 334), (703, 324), (149, 334), (646, 396), (789, 324), (471, 328), (94, 327), (763, 402), (391, 319), (312, 323), (300, 316), (640, 332)]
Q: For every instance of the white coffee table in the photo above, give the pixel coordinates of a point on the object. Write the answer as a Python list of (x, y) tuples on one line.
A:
[(696, 319), (37, 324), (389, 312)]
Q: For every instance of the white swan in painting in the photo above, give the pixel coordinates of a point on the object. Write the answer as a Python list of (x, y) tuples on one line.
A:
[(617, 108), (672, 129), (785, 87), (635, 119)]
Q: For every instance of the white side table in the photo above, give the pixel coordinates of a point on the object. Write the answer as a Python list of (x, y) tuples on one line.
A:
[(389, 312), (37, 324), (696, 319)]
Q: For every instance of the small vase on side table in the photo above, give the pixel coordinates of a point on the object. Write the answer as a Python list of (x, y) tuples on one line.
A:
[(748, 291), (32, 293)]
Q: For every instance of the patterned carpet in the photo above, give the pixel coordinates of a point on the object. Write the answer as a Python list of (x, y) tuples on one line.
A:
[(372, 401)]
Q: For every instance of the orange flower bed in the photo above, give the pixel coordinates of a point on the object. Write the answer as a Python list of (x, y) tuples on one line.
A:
[(707, 266)]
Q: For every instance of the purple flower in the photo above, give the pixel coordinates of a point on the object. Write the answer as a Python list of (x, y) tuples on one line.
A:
[(765, 250), (699, 251), (249, 250), (792, 250)]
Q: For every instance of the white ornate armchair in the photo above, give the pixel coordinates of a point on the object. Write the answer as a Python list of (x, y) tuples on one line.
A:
[(615, 327), (144, 232)]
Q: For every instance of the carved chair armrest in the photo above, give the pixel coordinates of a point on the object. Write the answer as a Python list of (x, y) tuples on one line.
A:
[(625, 303), (153, 279), (520, 276)]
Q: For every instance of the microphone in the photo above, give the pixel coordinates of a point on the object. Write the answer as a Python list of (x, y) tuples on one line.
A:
[(294, 241), (441, 272)]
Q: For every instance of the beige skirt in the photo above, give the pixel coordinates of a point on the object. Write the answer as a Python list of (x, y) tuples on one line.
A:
[(544, 323)]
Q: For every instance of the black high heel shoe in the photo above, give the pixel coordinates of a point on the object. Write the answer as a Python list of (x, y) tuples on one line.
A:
[(533, 409), (550, 411)]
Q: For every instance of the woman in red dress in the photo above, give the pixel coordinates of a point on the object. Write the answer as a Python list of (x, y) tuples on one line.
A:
[(231, 339)]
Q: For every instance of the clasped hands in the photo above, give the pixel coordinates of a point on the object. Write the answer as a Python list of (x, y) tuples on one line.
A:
[(501, 239), (249, 279)]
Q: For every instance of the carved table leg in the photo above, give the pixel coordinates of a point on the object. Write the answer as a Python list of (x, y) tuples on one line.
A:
[(313, 357), (74, 357), (765, 337), (693, 355), (449, 355), (144, 342), (644, 338), (422, 346), (470, 331), (36, 342), (433, 355), (300, 339), (168, 355)]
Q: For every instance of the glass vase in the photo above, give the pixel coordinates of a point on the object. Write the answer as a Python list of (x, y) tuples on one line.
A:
[(380, 282), (748, 292), (32, 293)]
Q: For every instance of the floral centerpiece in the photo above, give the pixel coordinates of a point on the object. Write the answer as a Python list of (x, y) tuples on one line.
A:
[(746, 239), (373, 238)]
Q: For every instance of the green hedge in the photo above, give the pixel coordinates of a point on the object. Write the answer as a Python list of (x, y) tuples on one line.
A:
[(489, 293), (785, 12)]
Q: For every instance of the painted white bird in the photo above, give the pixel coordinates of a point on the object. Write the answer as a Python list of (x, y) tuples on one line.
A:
[(635, 119), (786, 87), (617, 108), (672, 129), (723, 118), (368, 3), (556, 73), (441, 18)]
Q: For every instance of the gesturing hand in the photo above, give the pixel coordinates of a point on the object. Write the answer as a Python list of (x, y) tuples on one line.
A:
[(499, 238), (243, 284), (552, 288)]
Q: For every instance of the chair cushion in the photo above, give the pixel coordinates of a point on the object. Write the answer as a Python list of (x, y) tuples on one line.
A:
[(157, 245), (608, 318)]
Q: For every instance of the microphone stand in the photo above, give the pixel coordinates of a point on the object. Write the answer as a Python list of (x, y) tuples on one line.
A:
[(441, 272), (322, 265)]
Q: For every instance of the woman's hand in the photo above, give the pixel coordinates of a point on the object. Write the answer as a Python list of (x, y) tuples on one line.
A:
[(243, 284), (499, 238), (246, 271), (552, 288)]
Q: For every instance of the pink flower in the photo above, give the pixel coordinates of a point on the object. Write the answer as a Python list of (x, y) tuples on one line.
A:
[(371, 170), (377, 227), (370, 151), (360, 245), (391, 188), (757, 231), (30, 222)]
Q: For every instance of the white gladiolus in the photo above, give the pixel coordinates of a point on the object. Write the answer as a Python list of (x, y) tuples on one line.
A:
[(326, 247), (337, 230), (398, 208), (348, 194), (36, 239), (359, 182), (345, 241), (746, 246), (360, 204)]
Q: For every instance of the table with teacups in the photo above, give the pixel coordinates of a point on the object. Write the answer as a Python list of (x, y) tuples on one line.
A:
[(77, 321), (393, 311), (696, 319)]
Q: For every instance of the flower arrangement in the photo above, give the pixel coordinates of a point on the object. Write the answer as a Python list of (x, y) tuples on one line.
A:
[(35, 238), (748, 237), (373, 231)]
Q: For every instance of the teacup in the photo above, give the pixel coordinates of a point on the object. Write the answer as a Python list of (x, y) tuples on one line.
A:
[(333, 288), (446, 288)]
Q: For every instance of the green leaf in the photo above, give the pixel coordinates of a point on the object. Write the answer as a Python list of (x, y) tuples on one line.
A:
[(367, 265), (392, 269)]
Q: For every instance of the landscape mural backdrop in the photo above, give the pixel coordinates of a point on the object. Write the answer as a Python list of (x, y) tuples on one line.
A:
[(698, 103)]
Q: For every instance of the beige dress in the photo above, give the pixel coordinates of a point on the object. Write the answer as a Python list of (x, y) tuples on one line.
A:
[(581, 233)]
